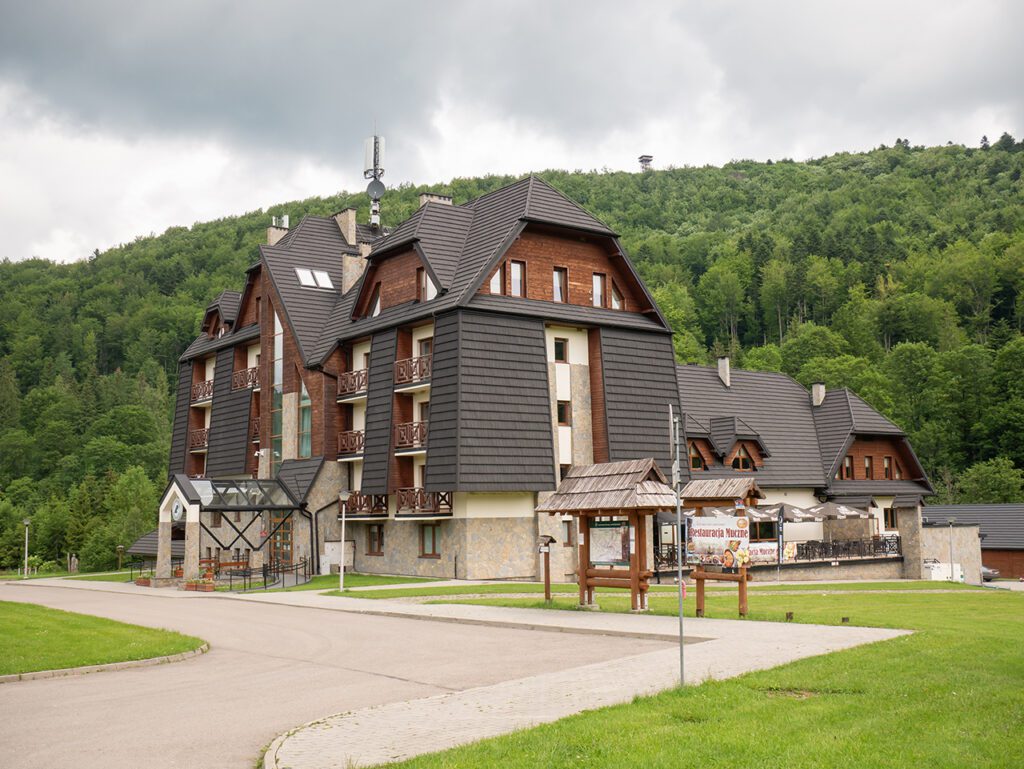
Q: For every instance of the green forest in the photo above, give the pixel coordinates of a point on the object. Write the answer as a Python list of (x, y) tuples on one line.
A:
[(898, 273)]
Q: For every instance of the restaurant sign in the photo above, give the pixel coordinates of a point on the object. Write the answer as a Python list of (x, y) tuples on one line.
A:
[(610, 542), (720, 541)]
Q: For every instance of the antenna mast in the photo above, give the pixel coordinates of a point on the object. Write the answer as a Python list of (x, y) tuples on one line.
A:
[(373, 169)]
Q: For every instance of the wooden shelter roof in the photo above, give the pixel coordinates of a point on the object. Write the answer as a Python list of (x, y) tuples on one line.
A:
[(637, 484), (721, 488)]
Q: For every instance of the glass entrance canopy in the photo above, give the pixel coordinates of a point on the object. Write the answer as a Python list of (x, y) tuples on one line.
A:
[(244, 494)]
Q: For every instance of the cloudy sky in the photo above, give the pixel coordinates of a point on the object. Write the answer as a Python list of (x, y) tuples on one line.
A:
[(119, 119)]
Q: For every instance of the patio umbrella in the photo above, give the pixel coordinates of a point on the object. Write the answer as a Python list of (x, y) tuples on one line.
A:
[(790, 513), (838, 511)]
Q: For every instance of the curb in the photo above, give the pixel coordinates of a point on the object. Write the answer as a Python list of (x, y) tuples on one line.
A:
[(80, 671)]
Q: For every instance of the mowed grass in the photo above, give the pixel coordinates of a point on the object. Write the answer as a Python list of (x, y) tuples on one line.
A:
[(112, 576), (571, 589), (328, 581), (38, 638), (950, 695)]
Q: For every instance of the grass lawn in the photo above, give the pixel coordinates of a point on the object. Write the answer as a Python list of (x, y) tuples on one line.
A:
[(571, 589), (38, 638), (5, 575), (114, 576), (948, 696), (328, 581)]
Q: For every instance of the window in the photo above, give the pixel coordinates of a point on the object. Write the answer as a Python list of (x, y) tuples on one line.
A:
[(374, 306), (617, 301), (430, 540), (567, 527), (313, 278), (563, 470), (366, 360), (305, 424), (599, 289), (238, 516), (869, 468), (561, 350), (890, 518), (425, 411), (887, 468), (847, 471), (898, 471), (426, 347), (375, 539), (763, 531), (518, 287), (696, 458), (498, 280), (560, 284), (215, 520), (742, 460), (425, 288), (564, 413), (277, 398)]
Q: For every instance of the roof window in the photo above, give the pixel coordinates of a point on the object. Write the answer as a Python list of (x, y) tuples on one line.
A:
[(313, 278)]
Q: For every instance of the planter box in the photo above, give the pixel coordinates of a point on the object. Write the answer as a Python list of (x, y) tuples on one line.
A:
[(205, 588), (190, 586), (142, 581), (179, 573)]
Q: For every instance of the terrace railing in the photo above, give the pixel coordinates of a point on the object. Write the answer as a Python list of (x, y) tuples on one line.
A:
[(412, 370), (350, 442), (202, 391), (365, 504), (248, 377), (254, 430), (352, 382), (411, 435), (199, 439), (416, 500)]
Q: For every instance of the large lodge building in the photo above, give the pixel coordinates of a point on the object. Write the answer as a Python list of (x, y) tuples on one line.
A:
[(438, 379)]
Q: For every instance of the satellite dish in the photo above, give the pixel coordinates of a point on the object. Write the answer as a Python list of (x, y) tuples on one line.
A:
[(375, 189)]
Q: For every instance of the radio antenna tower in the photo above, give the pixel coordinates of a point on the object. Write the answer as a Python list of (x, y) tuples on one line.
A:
[(373, 169)]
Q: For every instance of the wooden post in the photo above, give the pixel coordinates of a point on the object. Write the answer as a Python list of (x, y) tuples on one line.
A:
[(641, 552), (743, 591), (547, 572), (634, 570), (584, 557), (699, 578)]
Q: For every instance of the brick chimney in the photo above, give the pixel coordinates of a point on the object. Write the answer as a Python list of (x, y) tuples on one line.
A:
[(346, 220), (433, 197), (278, 229), (723, 370), (817, 394)]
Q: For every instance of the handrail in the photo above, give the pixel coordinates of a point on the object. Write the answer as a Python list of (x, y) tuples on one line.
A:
[(247, 377), (411, 435), (350, 382), (412, 369), (350, 442), (418, 500), (202, 391), (254, 430), (198, 439)]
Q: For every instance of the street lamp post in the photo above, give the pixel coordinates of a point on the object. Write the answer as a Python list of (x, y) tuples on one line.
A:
[(24, 574), (680, 533), (341, 569), (951, 522), (120, 552)]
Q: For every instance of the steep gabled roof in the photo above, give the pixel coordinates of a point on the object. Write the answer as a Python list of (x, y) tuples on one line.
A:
[(726, 430), (841, 416), (316, 244), (773, 407), (299, 475), (226, 303), (611, 486), (204, 344)]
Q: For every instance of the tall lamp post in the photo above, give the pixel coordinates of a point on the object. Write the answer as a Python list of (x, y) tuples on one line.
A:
[(341, 569), (680, 533), (951, 522), (27, 522)]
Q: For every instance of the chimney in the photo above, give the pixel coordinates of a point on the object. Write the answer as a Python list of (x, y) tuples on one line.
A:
[(346, 220), (433, 197), (817, 393), (723, 370), (278, 229)]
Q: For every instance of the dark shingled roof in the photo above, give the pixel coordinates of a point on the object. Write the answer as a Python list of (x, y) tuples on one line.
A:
[(774, 407), (726, 430), (299, 475), (147, 545), (316, 244), (227, 304), (841, 415), (461, 245), (204, 345), (1002, 526)]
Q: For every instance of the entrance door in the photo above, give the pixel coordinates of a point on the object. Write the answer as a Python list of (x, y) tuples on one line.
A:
[(281, 542)]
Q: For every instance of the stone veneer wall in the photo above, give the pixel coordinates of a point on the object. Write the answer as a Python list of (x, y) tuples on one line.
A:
[(908, 521), (966, 548), (867, 570)]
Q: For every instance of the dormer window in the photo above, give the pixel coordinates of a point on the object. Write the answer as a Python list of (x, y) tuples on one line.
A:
[(313, 278), (425, 288), (742, 460), (696, 459)]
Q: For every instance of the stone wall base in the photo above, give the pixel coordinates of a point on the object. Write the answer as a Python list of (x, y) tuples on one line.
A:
[(868, 569)]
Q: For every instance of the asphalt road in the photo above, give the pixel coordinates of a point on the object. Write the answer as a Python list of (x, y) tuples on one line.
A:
[(270, 668)]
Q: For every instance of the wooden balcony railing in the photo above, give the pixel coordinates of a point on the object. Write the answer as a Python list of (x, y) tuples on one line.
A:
[(412, 370), (351, 382), (199, 439), (350, 442), (364, 504), (254, 430), (411, 435), (202, 391), (247, 377), (416, 500)]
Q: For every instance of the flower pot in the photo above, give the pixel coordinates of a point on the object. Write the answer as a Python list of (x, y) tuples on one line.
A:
[(179, 573), (205, 588), (190, 586)]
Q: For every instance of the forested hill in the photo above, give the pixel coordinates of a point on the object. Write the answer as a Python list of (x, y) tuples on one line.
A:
[(898, 272)]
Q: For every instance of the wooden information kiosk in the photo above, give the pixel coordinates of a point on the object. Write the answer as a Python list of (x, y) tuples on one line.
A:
[(612, 503)]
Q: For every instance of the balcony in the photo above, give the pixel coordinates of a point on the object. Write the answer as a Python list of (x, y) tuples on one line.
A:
[(412, 371), (254, 430), (246, 378), (198, 440), (202, 391), (350, 442), (416, 501), (360, 505), (411, 435), (352, 382)]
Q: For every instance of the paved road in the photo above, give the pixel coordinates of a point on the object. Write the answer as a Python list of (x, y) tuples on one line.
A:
[(270, 668)]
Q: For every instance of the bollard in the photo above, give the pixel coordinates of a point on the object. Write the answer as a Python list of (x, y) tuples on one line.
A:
[(846, 620), (789, 616)]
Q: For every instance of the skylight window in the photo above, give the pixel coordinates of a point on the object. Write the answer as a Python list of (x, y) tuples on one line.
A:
[(313, 278)]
